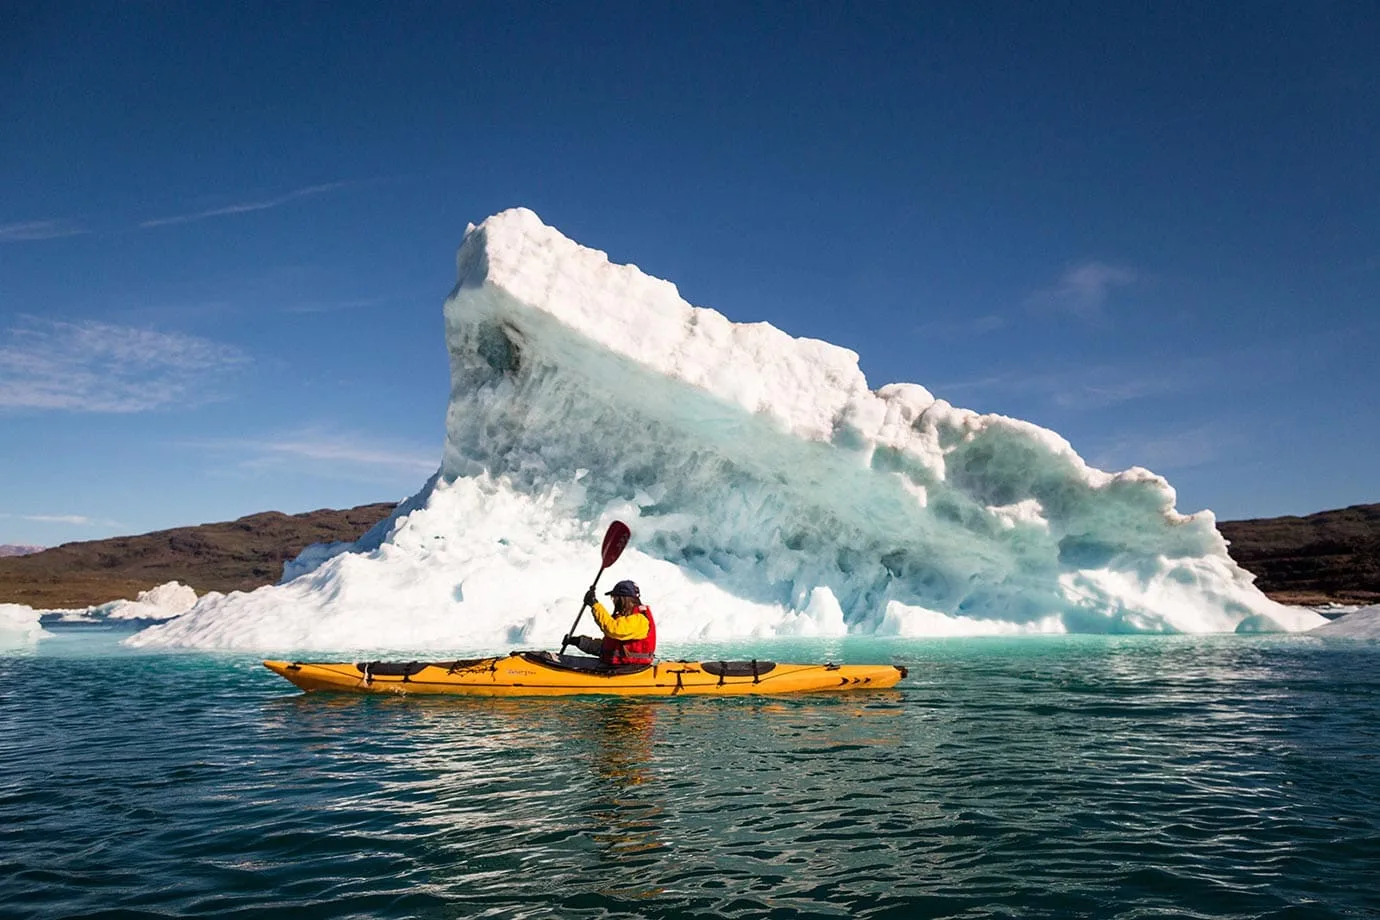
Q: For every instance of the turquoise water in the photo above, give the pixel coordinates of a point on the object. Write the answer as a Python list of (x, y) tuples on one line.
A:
[(1059, 777)]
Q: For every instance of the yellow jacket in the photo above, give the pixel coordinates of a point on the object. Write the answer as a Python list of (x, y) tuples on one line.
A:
[(626, 628)]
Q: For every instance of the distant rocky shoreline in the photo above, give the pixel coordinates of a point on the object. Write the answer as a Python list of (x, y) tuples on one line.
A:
[(238, 555), (1332, 557)]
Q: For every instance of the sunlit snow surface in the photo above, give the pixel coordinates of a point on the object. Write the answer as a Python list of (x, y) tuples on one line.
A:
[(769, 492)]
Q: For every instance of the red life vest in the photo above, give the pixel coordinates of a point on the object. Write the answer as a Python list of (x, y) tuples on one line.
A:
[(633, 651)]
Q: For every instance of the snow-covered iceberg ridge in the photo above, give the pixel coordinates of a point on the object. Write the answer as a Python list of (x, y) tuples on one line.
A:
[(769, 491)]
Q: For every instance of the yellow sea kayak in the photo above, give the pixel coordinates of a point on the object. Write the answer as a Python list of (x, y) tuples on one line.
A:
[(548, 674)]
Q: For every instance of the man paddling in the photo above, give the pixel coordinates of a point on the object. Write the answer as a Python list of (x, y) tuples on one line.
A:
[(629, 631)]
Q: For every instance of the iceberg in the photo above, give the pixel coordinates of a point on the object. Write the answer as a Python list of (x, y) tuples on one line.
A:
[(1357, 623), (161, 602), (22, 624), (769, 490), (19, 626)]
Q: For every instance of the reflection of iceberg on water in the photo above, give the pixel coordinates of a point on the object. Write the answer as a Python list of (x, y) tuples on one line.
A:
[(770, 492)]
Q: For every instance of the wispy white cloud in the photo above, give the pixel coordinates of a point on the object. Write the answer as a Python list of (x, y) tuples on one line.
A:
[(1083, 388), (58, 518), (970, 327), (343, 450), (26, 231), (1098, 388), (90, 366), (330, 453), (1162, 451), (78, 520), (245, 207), (321, 306), (1083, 290)]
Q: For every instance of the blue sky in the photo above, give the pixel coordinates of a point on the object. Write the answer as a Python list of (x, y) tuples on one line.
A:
[(226, 230)]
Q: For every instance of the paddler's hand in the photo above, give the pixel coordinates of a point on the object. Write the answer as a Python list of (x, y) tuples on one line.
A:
[(569, 640), (591, 598)]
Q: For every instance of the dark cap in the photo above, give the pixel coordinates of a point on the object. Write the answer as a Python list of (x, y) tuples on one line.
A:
[(625, 589)]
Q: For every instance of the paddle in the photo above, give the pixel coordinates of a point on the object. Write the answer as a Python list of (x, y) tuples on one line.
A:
[(615, 538)]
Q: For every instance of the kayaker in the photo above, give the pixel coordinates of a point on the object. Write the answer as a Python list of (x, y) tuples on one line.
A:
[(629, 631)]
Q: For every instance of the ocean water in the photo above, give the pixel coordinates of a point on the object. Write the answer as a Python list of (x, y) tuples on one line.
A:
[(1137, 777)]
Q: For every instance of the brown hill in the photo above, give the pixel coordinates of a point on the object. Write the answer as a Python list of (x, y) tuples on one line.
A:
[(1333, 556), (232, 556)]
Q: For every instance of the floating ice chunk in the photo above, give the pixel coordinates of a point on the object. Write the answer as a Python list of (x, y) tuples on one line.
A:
[(1361, 623), (161, 602), (19, 626)]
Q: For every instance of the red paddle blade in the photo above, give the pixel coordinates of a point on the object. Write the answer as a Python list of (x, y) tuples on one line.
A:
[(614, 540)]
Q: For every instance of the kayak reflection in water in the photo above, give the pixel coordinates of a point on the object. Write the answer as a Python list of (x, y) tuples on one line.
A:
[(629, 631), (626, 808)]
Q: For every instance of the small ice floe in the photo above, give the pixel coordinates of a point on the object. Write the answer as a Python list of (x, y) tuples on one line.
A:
[(1359, 623), (168, 600), (19, 625)]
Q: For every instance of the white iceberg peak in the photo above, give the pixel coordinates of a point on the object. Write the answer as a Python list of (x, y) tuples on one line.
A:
[(769, 490)]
